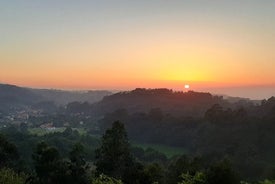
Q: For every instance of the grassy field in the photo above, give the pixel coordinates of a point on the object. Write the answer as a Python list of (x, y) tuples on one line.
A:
[(43, 131), (169, 151)]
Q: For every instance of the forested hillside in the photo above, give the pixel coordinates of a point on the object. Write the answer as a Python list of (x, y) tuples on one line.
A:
[(159, 135), (14, 98)]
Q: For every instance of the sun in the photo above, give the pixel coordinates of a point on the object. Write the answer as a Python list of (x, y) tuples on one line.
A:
[(186, 86)]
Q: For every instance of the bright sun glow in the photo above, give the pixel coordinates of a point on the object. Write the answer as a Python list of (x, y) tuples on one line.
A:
[(186, 86)]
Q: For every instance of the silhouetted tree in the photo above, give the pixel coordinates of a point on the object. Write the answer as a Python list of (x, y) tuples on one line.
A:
[(222, 172), (154, 173), (49, 167), (215, 113), (114, 159), (78, 165), (8, 153), (181, 165)]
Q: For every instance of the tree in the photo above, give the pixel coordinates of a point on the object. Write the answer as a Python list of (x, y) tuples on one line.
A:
[(8, 176), (154, 173), (8, 153), (114, 159), (78, 165), (222, 172), (198, 178), (49, 167), (103, 179), (215, 113), (181, 165)]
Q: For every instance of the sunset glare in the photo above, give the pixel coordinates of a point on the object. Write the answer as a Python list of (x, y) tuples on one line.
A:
[(128, 44)]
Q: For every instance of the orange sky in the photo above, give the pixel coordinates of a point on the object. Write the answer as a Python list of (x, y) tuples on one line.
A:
[(123, 45)]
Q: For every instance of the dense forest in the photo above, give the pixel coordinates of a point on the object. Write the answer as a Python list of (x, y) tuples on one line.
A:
[(220, 140)]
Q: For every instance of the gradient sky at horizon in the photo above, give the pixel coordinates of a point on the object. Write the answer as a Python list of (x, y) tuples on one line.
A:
[(124, 44)]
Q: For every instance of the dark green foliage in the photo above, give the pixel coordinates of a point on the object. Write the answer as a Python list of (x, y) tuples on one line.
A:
[(222, 172), (78, 166), (198, 178), (267, 182), (103, 179), (9, 176), (154, 173), (181, 165), (26, 143), (199, 123), (148, 155), (114, 159), (49, 167), (243, 132), (8, 153)]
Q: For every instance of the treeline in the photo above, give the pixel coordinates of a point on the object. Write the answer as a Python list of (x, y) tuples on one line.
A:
[(244, 134), (142, 100), (216, 134), (202, 124), (114, 163)]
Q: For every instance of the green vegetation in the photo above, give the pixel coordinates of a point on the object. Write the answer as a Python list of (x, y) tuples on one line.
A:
[(198, 178), (44, 131), (8, 176), (103, 179), (114, 162), (114, 158), (210, 143), (169, 151)]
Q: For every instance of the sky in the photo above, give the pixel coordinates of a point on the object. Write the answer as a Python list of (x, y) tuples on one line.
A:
[(219, 46)]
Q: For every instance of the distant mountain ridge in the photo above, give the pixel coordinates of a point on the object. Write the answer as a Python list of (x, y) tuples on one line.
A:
[(100, 102), (173, 102), (62, 97), (15, 97)]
